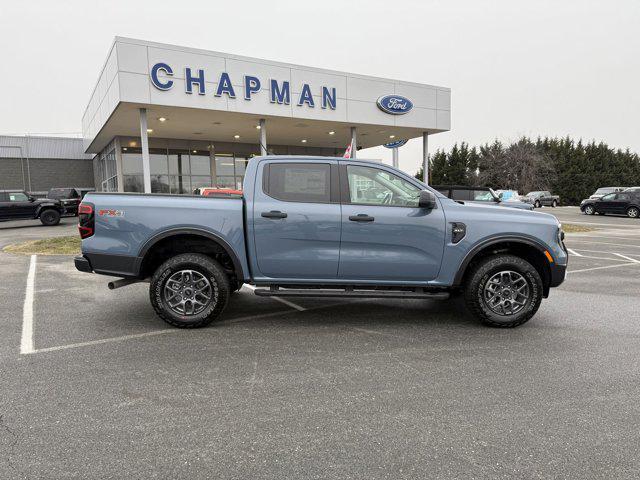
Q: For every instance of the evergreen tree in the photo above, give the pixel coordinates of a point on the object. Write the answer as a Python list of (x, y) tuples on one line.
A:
[(573, 170)]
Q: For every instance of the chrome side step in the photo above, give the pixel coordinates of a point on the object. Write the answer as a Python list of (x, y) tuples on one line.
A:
[(361, 292)]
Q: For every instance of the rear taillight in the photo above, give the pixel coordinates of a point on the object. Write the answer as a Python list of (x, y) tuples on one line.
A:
[(86, 220)]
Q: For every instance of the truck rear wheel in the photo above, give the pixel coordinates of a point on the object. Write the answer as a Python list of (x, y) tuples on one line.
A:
[(189, 290), (50, 217), (503, 291)]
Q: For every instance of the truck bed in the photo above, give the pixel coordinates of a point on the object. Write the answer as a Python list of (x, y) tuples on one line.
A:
[(126, 224)]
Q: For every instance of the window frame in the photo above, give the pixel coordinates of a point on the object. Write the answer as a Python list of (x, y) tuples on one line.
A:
[(346, 194), (334, 181)]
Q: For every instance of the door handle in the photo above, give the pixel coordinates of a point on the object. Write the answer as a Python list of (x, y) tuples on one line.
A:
[(274, 214), (361, 217)]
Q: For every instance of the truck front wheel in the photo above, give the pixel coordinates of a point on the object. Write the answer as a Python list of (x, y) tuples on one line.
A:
[(503, 291), (189, 290), (50, 217)]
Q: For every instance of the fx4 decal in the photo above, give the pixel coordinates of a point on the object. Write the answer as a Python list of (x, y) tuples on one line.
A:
[(111, 213)]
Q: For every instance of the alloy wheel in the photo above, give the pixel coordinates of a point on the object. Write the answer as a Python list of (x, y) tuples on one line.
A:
[(188, 292), (506, 293)]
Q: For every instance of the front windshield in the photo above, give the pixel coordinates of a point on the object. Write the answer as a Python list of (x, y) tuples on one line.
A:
[(484, 195), (604, 190), (532, 193)]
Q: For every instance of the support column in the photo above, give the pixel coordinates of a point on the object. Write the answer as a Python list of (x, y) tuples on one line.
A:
[(263, 137), (354, 142), (144, 143), (425, 157), (395, 156)]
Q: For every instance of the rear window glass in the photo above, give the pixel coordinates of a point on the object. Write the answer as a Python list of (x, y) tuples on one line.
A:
[(58, 193), (295, 182)]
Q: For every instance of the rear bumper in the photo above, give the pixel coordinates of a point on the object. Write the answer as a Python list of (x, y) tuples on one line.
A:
[(105, 264), (83, 264)]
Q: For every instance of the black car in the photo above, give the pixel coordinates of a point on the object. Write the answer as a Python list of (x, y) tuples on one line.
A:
[(70, 197), (19, 205), (483, 195), (619, 203)]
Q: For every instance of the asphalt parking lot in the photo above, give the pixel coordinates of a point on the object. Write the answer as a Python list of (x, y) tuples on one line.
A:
[(94, 385)]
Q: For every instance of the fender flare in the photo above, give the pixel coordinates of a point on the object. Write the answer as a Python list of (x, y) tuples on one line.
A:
[(487, 242), (44, 206), (190, 231)]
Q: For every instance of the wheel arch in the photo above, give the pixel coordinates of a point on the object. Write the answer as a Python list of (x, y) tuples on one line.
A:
[(46, 206), (176, 241), (524, 247)]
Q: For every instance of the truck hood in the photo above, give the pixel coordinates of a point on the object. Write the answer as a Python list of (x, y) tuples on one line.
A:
[(502, 214)]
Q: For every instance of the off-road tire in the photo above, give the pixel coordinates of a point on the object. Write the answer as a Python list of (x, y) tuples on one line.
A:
[(50, 217), (207, 267), (589, 210), (633, 212), (482, 273), (537, 204), (554, 204)]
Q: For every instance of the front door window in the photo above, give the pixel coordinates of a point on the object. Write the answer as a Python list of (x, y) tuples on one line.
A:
[(372, 186)]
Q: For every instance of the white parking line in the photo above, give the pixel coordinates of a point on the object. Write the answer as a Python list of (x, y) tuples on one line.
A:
[(627, 258), (609, 253), (26, 342), (573, 252), (281, 300), (573, 240), (104, 340), (170, 330), (602, 268)]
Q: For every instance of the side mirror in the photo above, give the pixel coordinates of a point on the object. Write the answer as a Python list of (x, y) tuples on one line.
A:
[(32, 199), (427, 200), (500, 195)]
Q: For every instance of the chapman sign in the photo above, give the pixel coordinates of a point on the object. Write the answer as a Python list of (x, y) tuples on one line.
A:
[(194, 80), (394, 104)]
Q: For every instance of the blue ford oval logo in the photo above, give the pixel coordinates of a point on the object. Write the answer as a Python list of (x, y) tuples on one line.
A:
[(395, 104), (396, 144)]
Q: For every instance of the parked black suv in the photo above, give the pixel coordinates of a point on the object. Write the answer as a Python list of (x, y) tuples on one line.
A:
[(19, 205), (619, 203), (69, 197)]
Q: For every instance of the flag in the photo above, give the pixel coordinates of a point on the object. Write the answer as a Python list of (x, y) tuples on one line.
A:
[(347, 152)]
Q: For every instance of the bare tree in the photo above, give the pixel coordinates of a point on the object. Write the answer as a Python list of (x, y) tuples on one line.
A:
[(521, 166)]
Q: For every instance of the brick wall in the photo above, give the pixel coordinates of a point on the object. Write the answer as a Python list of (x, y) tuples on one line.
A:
[(46, 173)]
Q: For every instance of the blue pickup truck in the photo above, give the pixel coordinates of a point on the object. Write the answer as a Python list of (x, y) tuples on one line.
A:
[(319, 227)]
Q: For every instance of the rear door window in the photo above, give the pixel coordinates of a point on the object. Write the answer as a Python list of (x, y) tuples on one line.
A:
[(299, 182), (60, 193)]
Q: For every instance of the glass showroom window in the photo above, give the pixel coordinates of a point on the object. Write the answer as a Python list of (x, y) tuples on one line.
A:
[(225, 172), (132, 169), (159, 168), (179, 171), (108, 172), (241, 167)]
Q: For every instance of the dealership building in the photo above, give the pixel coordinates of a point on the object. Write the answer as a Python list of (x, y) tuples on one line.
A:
[(166, 118)]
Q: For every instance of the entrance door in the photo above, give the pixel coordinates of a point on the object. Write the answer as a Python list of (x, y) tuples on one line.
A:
[(296, 218), (385, 235)]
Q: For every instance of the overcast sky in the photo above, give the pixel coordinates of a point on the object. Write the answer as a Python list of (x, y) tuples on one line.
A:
[(563, 67)]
